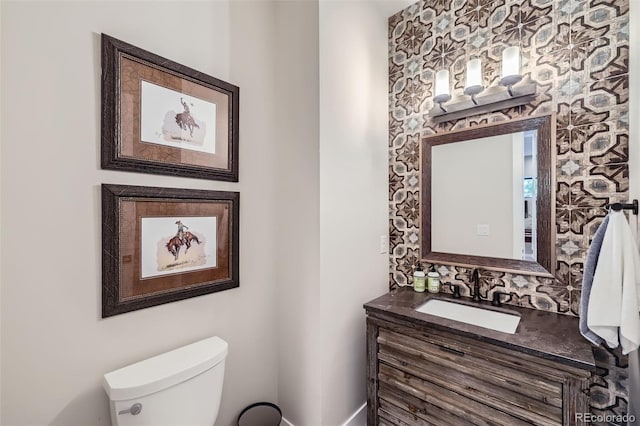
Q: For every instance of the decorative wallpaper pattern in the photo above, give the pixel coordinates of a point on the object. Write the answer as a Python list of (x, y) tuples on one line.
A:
[(577, 52)]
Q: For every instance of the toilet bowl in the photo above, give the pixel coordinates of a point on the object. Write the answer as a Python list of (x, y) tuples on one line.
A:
[(182, 387)]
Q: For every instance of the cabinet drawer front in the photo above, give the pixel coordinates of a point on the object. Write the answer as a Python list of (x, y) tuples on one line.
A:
[(536, 365), (518, 378), (473, 412), (422, 410), (521, 394), (397, 416)]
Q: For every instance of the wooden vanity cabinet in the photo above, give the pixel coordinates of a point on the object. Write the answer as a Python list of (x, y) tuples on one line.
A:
[(422, 375)]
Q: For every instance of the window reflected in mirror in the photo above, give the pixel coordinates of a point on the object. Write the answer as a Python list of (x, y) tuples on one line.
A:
[(529, 193)]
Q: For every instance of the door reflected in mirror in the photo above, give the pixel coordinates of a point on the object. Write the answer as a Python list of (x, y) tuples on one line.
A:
[(496, 179)]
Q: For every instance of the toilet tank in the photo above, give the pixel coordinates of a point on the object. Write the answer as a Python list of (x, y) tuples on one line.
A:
[(182, 387)]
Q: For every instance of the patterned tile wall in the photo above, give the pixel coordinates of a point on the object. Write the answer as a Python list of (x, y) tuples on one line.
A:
[(577, 52)]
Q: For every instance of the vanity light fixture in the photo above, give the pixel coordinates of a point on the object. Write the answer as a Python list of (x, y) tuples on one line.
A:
[(510, 68), (475, 98), (442, 94), (474, 79)]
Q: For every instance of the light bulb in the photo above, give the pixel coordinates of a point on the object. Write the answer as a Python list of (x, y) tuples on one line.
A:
[(442, 87), (510, 66), (474, 77)]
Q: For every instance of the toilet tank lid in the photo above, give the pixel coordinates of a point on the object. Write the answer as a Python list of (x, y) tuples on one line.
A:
[(164, 370)]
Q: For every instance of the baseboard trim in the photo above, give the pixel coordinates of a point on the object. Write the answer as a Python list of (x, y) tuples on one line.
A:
[(358, 418), (286, 422)]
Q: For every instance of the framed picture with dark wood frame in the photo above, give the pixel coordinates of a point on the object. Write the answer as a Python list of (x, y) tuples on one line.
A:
[(162, 117), (161, 245)]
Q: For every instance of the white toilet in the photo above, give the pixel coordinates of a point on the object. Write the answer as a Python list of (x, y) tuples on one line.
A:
[(178, 388)]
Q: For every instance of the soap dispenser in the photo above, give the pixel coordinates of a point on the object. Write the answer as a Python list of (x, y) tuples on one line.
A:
[(419, 279), (433, 280)]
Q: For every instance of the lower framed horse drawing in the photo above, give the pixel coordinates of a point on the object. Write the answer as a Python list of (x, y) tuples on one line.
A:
[(161, 245)]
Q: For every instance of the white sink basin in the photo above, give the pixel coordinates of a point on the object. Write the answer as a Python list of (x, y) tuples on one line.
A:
[(498, 321)]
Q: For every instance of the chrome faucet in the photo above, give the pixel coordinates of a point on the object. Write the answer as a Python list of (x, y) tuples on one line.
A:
[(475, 279)]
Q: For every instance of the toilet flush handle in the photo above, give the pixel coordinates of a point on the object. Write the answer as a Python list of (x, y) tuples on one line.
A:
[(135, 409)]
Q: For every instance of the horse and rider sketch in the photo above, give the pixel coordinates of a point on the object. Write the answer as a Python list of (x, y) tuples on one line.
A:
[(185, 119), (182, 238)]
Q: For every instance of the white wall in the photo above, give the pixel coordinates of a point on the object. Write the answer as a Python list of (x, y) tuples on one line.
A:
[(298, 223), (55, 346), (634, 106), (0, 213), (634, 171), (353, 193), (473, 176)]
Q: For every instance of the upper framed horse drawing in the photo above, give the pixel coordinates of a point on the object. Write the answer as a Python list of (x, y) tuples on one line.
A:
[(162, 117), (161, 245)]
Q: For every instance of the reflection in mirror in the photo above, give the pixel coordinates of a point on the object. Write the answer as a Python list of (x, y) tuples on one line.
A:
[(487, 197), (497, 176), (529, 194)]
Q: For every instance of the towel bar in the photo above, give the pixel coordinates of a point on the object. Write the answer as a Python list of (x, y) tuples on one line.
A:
[(620, 206)]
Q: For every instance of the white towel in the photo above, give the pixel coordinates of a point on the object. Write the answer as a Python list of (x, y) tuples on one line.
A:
[(614, 304)]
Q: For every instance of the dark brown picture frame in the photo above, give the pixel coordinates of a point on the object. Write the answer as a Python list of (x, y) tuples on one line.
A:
[(133, 140), (130, 217)]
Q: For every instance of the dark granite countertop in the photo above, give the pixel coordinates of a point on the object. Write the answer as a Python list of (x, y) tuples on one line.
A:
[(539, 333)]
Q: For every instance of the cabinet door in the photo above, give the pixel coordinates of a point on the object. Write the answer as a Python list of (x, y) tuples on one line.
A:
[(463, 384), (425, 376)]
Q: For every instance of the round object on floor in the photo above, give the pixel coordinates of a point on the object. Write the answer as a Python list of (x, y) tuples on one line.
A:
[(260, 414)]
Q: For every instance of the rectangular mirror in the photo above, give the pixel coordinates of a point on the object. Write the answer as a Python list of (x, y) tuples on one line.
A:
[(487, 197), (496, 175)]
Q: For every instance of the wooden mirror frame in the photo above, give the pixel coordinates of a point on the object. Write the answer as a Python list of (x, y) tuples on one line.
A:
[(545, 203)]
